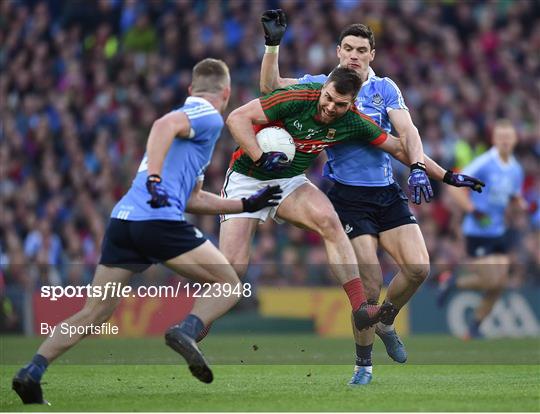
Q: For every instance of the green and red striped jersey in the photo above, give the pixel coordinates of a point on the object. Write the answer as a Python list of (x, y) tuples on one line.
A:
[(295, 109)]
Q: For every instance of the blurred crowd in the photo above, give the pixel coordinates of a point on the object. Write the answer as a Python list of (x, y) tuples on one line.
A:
[(82, 81)]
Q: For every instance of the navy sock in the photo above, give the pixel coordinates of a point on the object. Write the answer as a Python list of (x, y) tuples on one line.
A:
[(192, 326), (363, 355), (37, 367)]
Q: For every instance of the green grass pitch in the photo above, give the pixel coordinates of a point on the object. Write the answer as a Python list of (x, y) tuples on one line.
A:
[(282, 373)]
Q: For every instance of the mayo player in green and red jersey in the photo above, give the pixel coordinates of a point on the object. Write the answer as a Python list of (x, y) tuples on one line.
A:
[(296, 109), (317, 116)]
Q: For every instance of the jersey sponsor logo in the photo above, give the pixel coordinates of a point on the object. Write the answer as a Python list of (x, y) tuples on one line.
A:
[(298, 125), (311, 132), (377, 100), (348, 228), (311, 148), (331, 133)]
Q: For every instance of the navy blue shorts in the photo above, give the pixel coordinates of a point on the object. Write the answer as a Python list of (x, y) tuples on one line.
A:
[(370, 210), (484, 246), (136, 245)]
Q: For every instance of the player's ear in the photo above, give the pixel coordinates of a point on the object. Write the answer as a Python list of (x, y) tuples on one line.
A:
[(372, 55), (338, 51), (226, 94), (189, 89)]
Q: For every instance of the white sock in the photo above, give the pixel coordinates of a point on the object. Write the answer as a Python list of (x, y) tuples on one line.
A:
[(385, 328), (368, 368)]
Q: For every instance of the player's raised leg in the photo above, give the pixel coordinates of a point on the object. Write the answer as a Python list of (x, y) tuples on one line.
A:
[(308, 207), (26, 382)]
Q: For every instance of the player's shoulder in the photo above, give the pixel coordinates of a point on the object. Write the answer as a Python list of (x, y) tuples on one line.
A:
[(197, 107), (306, 93), (311, 86), (385, 84), (355, 113)]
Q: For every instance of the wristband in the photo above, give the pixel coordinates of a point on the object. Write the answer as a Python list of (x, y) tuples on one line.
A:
[(448, 177), (154, 178), (418, 166), (271, 49)]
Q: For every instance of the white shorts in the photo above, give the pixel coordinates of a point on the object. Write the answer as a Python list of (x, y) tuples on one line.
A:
[(239, 185)]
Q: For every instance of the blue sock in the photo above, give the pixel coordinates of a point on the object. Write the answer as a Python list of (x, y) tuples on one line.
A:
[(363, 355), (37, 367), (192, 326)]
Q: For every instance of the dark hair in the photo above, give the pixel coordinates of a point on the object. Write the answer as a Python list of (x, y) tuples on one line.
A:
[(346, 81), (359, 30), (210, 76)]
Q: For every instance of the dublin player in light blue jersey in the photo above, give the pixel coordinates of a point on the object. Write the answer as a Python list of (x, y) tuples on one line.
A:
[(148, 226), (484, 224), (371, 206)]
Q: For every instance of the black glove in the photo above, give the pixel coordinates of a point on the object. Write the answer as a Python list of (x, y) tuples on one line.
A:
[(462, 180), (273, 161), (274, 24), (159, 197), (266, 197), (419, 184)]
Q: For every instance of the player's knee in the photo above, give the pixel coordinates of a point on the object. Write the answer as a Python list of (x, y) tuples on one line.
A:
[(329, 226), (238, 261), (417, 273)]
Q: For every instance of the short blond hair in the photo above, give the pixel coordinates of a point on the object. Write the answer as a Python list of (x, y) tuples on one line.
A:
[(210, 76), (503, 123)]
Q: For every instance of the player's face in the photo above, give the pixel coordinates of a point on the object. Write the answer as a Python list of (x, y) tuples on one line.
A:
[(355, 53), (333, 105), (505, 139)]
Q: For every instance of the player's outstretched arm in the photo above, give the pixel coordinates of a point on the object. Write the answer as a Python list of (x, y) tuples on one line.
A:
[(203, 202), (394, 146), (274, 24), (408, 133)]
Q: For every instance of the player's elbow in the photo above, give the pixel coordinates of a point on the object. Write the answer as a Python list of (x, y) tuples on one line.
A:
[(233, 117), (265, 88)]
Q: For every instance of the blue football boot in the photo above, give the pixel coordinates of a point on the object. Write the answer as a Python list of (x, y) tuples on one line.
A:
[(361, 376), (394, 347)]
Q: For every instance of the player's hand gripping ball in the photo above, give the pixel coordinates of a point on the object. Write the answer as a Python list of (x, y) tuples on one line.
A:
[(278, 148)]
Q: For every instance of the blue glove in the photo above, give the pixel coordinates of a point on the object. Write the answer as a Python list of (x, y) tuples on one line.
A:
[(419, 184), (462, 180), (159, 197), (273, 161)]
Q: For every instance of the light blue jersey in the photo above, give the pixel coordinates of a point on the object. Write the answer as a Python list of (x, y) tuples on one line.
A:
[(363, 164), (184, 165), (503, 181)]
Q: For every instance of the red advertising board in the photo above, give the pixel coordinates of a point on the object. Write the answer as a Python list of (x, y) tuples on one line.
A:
[(135, 316)]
